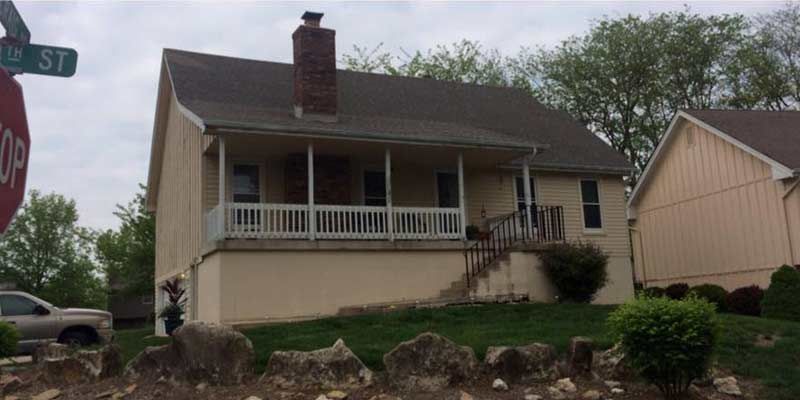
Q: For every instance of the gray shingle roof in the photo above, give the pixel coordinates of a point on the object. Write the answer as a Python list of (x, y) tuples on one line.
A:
[(226, 91), (776, 134)]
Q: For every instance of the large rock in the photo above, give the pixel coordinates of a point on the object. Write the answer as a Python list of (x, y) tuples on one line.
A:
[(153, 362), (523, 364), (213, 353), (83, 366), (728, 386), (332, 367), (579, 355), (429, 362), (613, 364), (199, 352)]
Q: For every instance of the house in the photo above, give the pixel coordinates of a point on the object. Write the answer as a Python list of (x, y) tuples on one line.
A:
[(291, 191), (717, 202)]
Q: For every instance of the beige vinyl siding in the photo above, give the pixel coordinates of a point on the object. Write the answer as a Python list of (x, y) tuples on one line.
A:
[(710, 212), (554, 189), (492, 190), (179, 211)]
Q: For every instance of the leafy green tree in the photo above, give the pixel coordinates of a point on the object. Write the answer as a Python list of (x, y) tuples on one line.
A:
[(465, 61), (47, 254), (766, 72), (128, 253), (627, 77)]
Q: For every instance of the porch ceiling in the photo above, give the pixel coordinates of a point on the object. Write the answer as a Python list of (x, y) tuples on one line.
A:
[(258, 145)]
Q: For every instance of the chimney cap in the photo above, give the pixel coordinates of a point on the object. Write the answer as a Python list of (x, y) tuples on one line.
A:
[(312, 17)]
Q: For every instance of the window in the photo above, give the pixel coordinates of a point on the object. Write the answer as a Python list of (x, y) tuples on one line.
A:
[(246, 185), (519, 185), (374, 188), (147, 299), (447, 189), (590, 196), (12, 305)]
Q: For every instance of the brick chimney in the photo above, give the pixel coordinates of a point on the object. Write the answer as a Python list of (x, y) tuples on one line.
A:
[(315, 94)]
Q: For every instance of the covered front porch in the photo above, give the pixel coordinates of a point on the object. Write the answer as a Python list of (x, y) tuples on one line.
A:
[(294, 187)]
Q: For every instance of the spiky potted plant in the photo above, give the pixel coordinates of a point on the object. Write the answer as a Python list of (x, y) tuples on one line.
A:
[(173, 312)]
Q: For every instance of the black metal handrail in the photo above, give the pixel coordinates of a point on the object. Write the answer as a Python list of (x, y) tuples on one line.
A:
[(548, 226)]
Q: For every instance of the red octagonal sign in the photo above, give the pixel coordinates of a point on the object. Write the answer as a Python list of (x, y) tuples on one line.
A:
[(15, 145)]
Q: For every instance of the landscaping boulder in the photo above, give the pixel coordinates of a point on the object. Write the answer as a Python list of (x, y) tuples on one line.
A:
[(213, 353), (83, 366), (534, 362), (152, 362), (332, 367), (612, 364), (579, 355), (45, 350), (728, 386), (199, 352), (429, 362)]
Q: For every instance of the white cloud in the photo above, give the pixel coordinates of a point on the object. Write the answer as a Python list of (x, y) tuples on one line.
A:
[(91, 133)]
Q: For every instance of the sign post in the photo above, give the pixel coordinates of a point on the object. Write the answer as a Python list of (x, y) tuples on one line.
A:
[(15, 146)]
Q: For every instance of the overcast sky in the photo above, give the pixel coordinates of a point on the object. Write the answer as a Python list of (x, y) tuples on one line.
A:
[(91, 133)]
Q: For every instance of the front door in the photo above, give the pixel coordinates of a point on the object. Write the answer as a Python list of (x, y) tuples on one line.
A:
[(447, 189)]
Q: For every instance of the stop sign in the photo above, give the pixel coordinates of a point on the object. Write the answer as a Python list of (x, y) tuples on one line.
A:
[(15, 144)]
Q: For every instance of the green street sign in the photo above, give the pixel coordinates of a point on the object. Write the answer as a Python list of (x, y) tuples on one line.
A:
[(39, 59), (12, 21)]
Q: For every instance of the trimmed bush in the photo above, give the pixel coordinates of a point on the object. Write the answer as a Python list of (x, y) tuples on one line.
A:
[(714, 294), (677, 291), (653, 291), (9, 336), (745, 301), (577, 270), (670, 343), (782, 298)]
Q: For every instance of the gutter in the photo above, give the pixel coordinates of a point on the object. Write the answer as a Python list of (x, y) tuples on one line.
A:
[(221, 126)]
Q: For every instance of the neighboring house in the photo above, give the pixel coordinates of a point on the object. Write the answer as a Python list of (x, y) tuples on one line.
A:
[(718, 201), (245, 151), (128, 310)]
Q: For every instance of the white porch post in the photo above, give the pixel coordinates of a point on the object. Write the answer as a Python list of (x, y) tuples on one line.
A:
[(526, 184), (312, 217), (221, 204), (461, 202), (389, 211)]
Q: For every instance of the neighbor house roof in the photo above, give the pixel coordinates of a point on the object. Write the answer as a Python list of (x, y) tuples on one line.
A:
[(226, 92), (771, 136)]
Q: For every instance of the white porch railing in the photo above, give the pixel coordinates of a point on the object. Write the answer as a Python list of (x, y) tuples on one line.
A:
[(290, 221)]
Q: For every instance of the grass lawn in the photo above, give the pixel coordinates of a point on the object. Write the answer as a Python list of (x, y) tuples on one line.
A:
[(370, 336), (133, 341)]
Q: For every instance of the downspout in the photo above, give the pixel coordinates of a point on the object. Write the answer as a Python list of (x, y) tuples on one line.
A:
[(786, 194), (641, 252)]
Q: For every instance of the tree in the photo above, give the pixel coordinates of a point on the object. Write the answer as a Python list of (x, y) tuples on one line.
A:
[(47, 254), (766, 73), (128, 253), (627, 77), (465, 61)]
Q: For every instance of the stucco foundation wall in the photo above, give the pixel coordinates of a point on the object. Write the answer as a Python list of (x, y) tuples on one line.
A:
[(522, 273), (263, 286), (208, 289)]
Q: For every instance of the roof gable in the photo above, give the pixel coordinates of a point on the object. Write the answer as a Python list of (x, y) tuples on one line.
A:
[(779, 170)]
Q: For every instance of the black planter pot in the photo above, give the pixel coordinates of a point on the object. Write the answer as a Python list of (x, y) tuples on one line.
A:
[(171, 324)]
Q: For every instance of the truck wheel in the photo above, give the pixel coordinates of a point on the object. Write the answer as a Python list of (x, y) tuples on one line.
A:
[(75, 339)]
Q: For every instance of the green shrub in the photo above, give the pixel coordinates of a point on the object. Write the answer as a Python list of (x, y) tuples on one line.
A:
[(670, 343), (745, 301), (782, 298), (714, 294), (677, 291), (577, 270), (653, 291), (9, 336)]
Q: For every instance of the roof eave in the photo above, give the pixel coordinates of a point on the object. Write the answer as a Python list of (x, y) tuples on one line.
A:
[(223, 126)]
